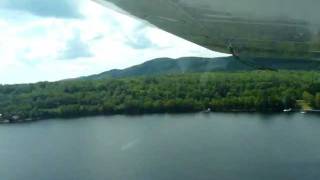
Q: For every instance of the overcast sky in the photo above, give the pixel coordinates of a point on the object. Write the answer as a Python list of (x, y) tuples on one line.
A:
[(50, 40)]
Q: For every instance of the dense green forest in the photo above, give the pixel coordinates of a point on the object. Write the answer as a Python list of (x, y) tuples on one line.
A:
[(262, 91)]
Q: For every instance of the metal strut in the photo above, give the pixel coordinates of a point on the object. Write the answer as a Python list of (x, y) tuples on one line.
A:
[(247, 63)]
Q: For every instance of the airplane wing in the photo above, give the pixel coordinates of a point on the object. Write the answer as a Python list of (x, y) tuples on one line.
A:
[(252, 28)]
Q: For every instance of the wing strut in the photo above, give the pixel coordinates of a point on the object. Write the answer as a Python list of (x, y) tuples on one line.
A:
[(236, 55)]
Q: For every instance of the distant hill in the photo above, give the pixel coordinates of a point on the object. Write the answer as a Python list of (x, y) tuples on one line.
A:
[(195, 64)]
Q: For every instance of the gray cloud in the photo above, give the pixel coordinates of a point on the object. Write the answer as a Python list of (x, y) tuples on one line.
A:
[(139, 42), (45, 8), (139, 39), (98, 37), (76, 48)]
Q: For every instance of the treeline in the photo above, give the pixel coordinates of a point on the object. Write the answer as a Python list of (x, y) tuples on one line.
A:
[(240, 91)]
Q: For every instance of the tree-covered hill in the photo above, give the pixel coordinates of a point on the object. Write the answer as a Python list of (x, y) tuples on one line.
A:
[(163, 66), (235, 91)]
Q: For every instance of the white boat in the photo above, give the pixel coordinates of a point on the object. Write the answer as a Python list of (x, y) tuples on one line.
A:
[(207, 110), (287, 110)]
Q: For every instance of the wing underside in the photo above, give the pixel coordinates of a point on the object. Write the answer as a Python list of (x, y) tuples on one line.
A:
[(254, 28)]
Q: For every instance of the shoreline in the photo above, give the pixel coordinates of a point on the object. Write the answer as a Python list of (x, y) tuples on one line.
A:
[(29, 120)]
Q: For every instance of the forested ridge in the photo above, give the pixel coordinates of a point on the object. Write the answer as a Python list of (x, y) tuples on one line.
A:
[(255, 91), (165, 66)]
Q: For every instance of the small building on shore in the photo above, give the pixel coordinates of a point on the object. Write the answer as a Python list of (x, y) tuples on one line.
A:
[(15, 117)]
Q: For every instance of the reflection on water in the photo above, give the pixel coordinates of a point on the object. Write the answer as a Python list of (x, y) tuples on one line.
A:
[(190, 146)]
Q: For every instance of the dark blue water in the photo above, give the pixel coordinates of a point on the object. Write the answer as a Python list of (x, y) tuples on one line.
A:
[(164, 147)]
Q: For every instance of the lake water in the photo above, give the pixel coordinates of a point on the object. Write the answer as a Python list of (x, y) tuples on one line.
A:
[(164, 147)]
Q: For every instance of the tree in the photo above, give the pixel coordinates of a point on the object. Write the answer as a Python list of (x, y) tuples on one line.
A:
[(317, 100), (307, 97)]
